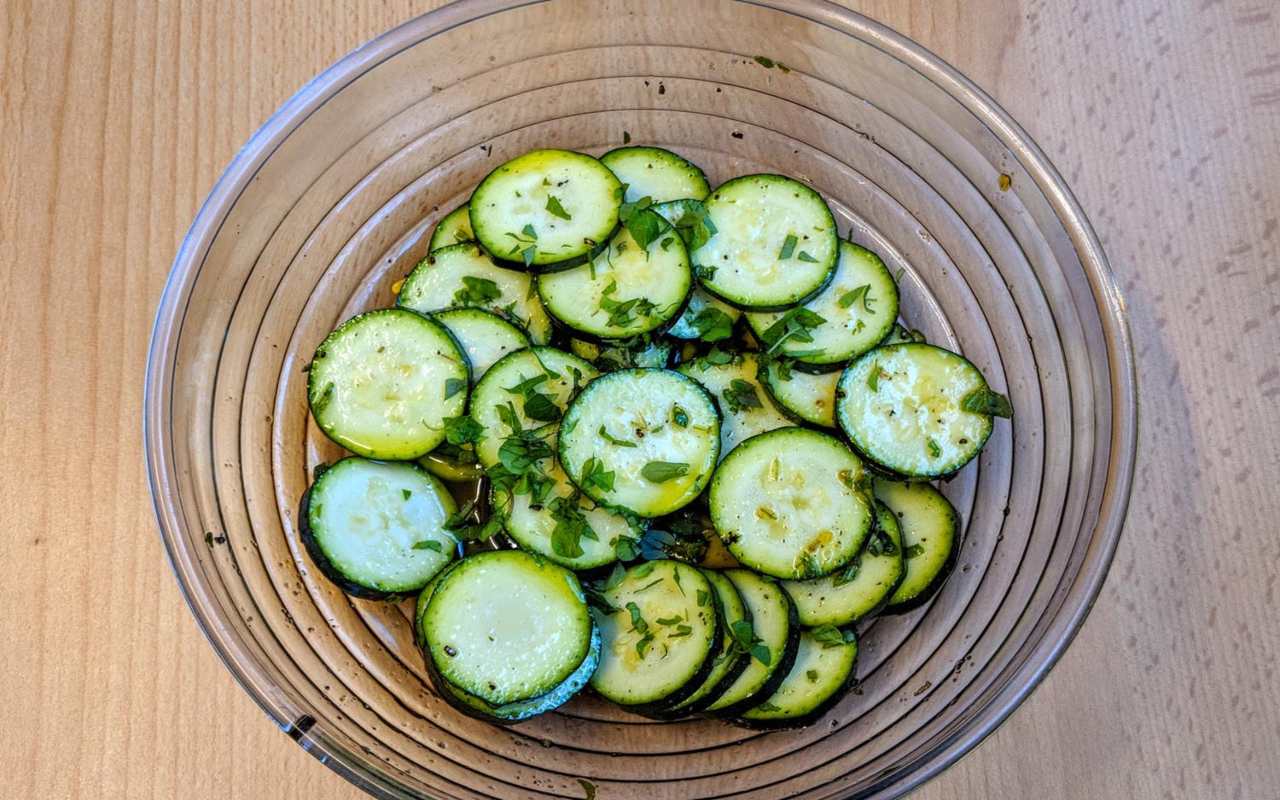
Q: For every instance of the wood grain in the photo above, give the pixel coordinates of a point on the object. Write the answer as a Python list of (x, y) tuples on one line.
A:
[(115, 119)]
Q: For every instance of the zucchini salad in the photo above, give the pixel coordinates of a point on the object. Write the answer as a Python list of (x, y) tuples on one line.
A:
[(628, 432)]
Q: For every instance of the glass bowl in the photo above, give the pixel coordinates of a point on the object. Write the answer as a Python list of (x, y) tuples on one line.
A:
[(329, 204)]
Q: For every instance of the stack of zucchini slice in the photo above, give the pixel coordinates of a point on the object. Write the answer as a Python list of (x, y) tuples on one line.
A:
[(627, 431)]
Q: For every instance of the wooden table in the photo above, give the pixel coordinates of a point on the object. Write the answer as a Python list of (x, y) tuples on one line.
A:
[(117, 117)]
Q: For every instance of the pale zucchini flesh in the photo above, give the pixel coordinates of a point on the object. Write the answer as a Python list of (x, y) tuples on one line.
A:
[(792, 503), (658, 174), (506, 626), (453, 228), (655, 433), (545, 206), (775, 243), (747, 409), (902, 406), (464, 275), (484, 337), (858, 308), (382, 384), (807, 396)]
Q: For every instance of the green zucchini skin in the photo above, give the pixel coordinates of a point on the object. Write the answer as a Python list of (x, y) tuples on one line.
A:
[(453, 228), (785, 662), (951, 518), (805, 720)]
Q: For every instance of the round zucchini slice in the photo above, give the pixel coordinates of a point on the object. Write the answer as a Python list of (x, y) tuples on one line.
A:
[(625, 291), (661, 639), (506, 626), (545, 207), (916, 409), (658, 174), (641, 439), (530, 388), (792, 503), (849, 317), (775, 243), (453, 228), (930, 539), (376, 529), (805, 396), (823, 670), (734, 381), (859, 589), (565, 527), (484, 337), (382, 384), (463, 275)]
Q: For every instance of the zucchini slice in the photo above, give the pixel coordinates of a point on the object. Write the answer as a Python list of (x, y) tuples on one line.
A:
[(907, 408), (383, 382), (565, 527), (506, 626), (613, 356), (930, 539), (658, 174), (545, 207), (775, 243), (453, 228), (770, 643), (485, 337), (730, 660), (705, 318), (532, 388), (733, 380), (625, 291), (661, 639), (792, 503), (805, 396), (849, 317), (642, 439), (859, 589), (509, 713), (823, 670), (376, 529), (900, 334), (464, 275)]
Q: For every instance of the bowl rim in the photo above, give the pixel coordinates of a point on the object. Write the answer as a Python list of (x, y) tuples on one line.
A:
[(1112, 311)]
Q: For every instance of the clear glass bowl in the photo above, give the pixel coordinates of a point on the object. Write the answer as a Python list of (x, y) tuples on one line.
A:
[(329, 203)]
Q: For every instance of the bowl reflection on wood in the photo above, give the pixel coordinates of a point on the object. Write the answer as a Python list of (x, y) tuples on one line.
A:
[(332, 201)]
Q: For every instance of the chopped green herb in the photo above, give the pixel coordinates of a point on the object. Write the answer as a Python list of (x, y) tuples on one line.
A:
[(831, 636), (788, 247), (934, 449), (695, 227), (768, 707), (666, 243), (765, 62), (555, 209), (712, 324), (541, 407), (985, 401), (406, 493), (626, 139), (812, 675), (428, 544), (717, 357), (795, 324), (462, 430), (679, 417), (642, 645), (670, 620), (681, 632), (881, 545), (849, 573), (643, 227), (873, 378), (615, 577), (589, 788), (528, 230), (623, 312), (593, 474), (626, 548), (741, 395), (644, 570), (803, 256), (476, 291), (614, 440), (452, 386), (648, 586), (861, 293), (663, 471), (703, 597), (637, 619), (913, 551), (746, 641)]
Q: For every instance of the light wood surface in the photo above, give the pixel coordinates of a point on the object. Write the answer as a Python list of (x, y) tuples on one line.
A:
[(117, 117)]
